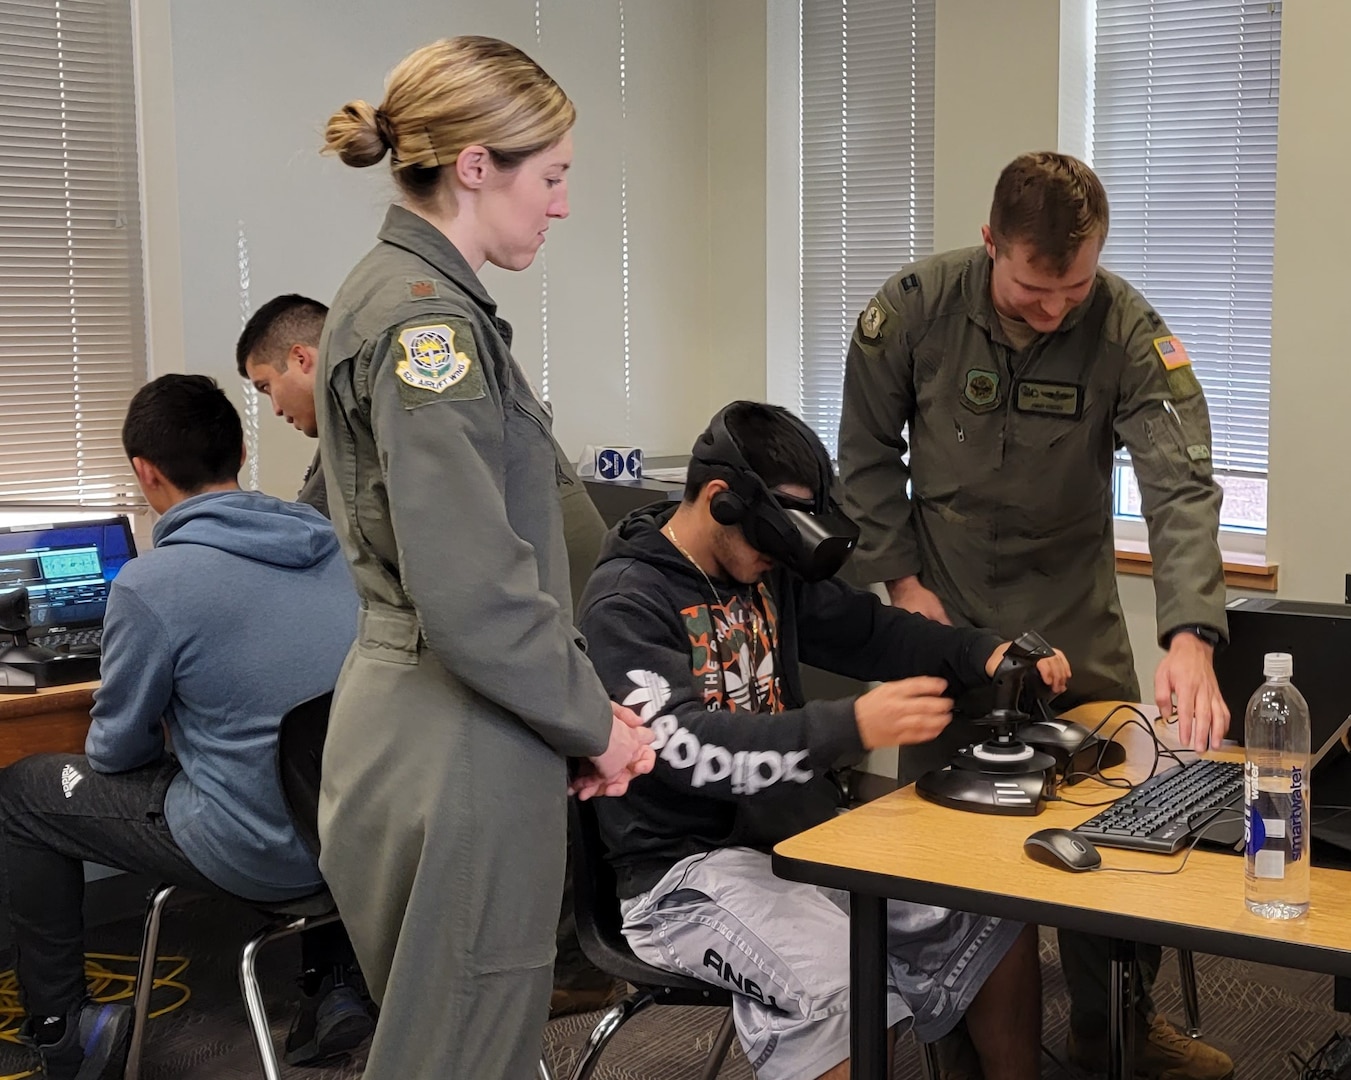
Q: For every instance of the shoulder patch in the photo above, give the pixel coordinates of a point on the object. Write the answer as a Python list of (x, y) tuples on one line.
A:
[(437, 362), (1183, 383), (422, 289), (1171, 352), (872, 320), (909, 282)]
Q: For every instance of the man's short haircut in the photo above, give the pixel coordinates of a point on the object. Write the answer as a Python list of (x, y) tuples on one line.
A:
[(1051, 202), (186, 427), (771, 440), (283, 321)]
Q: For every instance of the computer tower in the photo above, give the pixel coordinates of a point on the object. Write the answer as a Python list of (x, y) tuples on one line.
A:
[(1317, 635)]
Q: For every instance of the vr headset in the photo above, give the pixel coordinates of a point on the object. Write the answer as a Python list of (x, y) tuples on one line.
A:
[(810, 537)]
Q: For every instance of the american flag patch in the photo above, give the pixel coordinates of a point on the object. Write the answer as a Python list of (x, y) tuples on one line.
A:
[(1171, 352)]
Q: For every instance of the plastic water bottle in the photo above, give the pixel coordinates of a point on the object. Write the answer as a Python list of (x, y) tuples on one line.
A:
[(1276, 795)]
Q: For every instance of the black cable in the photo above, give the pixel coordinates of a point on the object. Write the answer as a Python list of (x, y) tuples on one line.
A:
[(1120, 782), (1200, 833)]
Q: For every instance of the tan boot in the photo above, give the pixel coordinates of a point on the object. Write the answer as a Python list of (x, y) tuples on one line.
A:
[(565, 1001), (1161, 1053)]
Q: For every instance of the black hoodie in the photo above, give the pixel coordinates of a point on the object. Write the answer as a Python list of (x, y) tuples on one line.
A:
[(741, 757)]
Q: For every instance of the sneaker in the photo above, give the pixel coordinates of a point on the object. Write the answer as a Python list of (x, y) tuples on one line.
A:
[(94, 1046), (332, 1021), (1161, 1053)]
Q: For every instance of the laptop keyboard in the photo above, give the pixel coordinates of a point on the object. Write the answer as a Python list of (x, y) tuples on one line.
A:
[(89, 639)]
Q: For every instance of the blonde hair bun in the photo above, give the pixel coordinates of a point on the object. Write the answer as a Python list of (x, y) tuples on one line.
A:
[(353, 133)]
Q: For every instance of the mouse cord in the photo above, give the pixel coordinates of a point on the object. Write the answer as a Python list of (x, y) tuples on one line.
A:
[(1217, 820)]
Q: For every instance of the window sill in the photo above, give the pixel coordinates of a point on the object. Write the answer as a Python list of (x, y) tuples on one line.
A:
[(1241, 570)]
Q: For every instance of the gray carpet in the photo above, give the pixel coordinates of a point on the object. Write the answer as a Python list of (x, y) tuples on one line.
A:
[(1255, 1013)]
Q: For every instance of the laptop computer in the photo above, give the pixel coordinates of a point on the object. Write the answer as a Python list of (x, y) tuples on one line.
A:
[(68, 568)]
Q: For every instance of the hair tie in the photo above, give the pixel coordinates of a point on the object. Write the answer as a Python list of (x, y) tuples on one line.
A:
[(385, 128)]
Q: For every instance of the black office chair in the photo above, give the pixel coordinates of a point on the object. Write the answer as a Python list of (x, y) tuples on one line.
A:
[(596, 903), (300, 749)]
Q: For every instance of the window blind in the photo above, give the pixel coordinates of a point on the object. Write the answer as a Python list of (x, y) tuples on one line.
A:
[(867, 152), (72, 307), (1183, 135)]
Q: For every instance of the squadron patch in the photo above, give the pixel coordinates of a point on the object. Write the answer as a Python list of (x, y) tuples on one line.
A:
[(980, 393), (1171, 352), (432, 367), (871, 321)]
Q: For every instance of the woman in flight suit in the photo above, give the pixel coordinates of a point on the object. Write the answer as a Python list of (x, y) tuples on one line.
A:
[(442, 814)]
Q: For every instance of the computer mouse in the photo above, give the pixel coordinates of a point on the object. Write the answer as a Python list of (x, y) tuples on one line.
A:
[(1062, 848)]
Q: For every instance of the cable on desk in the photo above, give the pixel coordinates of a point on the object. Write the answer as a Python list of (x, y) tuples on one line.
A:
[(105, 985), (1218, 819), (1161, 751)]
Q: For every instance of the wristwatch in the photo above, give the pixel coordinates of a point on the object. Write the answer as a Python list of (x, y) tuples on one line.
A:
[(1208, 634)]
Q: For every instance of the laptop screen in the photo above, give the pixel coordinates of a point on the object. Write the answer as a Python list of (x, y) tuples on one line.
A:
[(67, 568)]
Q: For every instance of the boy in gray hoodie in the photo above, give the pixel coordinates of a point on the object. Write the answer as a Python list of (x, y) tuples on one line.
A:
[(243, 609)]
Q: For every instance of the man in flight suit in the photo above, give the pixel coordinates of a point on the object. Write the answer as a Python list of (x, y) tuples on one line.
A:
[(1012, 372), (277, 352)]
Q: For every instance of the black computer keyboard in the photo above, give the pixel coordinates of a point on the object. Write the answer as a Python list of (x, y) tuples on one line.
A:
[(1166, 811), (89, 639)]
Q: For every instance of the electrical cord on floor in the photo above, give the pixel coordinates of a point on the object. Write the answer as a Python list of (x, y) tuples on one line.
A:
[(1331, 1061), (105, 984)]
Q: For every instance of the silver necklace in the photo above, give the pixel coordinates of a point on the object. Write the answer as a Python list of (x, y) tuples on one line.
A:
[(755, 613)]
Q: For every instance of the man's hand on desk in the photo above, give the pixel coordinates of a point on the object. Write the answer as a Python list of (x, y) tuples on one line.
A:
[(1054, 670), (629, 754), (1187, 676)]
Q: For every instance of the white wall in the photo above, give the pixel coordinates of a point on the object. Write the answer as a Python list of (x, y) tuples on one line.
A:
[(995, 97), (1310, 502), (253, 82)]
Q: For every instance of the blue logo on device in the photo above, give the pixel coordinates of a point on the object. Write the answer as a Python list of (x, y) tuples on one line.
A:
[(636, 464), (610, 464)]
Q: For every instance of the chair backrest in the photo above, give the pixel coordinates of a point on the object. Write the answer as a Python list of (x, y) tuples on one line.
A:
[(300, 760), (595, 901), (595, 890)]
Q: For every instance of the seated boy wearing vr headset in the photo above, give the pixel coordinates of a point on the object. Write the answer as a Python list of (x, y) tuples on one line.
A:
[(698, 617)]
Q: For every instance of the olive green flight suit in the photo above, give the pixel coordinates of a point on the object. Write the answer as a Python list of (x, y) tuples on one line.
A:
[(1009, 513), (442, 813)]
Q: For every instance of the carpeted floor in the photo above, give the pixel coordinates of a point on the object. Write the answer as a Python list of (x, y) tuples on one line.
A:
[(1255, 1013)]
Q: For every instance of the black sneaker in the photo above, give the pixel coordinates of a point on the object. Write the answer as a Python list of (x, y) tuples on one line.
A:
[(94, 1046), (333, 1020)]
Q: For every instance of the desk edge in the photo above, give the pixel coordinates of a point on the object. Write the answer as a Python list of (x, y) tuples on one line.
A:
[(1240, 946)]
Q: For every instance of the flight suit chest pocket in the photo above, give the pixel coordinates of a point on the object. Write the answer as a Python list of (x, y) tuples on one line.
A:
[(529, 428)]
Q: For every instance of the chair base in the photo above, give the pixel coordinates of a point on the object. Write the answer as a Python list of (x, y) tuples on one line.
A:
[(625, 1010), (248, 982)]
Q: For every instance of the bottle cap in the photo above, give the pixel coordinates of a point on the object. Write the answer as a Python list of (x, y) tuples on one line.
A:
[(1278, 665)]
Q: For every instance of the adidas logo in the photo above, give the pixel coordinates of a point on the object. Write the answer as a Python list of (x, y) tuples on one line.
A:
[(70, 776)]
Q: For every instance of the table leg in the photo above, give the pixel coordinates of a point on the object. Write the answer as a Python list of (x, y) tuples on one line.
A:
[(1121, 1011), (1341, 994), (867, 987)]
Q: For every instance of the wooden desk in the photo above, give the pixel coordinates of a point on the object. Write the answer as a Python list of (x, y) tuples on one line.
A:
[(52, 720), (904, 848)]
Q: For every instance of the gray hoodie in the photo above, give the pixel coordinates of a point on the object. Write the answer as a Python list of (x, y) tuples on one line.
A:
[(243, 609)]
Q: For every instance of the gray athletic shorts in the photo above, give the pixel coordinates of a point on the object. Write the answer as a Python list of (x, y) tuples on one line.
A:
[(783, 948)]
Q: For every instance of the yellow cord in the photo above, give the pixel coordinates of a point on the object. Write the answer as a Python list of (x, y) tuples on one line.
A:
[(105, 984)]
